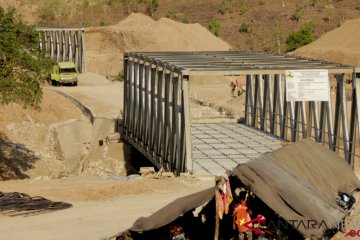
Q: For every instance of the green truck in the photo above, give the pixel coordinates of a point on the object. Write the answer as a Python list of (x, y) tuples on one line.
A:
[(64, 73)]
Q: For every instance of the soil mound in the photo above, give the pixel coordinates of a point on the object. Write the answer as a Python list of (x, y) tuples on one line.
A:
[(24, 146), (339, 45), (141, 33)]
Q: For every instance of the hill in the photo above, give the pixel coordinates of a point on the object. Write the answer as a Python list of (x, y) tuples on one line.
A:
[(339, 45), (139, 32), (244, 24)]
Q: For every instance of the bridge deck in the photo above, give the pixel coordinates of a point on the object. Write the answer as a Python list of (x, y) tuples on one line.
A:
[(218, 147)]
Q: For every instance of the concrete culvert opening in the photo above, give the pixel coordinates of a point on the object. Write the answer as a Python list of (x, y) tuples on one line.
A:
[(92, 148)]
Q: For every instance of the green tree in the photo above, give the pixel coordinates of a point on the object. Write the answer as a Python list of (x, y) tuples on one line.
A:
[(214, 27), (22, 67), (300, 38)]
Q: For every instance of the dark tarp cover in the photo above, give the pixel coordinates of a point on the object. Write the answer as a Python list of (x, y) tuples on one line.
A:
[(300, 183), (173, 210)]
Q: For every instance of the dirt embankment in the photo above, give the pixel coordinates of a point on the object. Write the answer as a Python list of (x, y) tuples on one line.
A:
[(24, 143), (104, 45), (339, 45)]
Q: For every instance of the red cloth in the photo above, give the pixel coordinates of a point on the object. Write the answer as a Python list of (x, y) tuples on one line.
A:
[(232, 86), (224, 198)]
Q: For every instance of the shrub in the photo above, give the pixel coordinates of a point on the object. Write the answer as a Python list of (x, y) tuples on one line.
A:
[(153, 5), (223, 7), (185, 20), (298, 13), (214, 27), (51, 10), (120, 76), (131, 5), (300, 38), (86, 24), (250, 43), (171, 13), (329, 14), (109, 2), (243, 8), (244, 28), (103, 23), (315, 3), (277, 41)]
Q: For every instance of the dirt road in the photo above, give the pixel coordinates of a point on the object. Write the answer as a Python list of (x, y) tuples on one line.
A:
[(101, 208), (102, 96)]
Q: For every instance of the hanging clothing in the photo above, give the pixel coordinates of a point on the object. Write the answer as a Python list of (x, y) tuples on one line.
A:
[(224, 196)]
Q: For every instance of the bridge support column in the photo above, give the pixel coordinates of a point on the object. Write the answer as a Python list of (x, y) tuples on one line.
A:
[(341, 116), (187, 125), (355, 122)]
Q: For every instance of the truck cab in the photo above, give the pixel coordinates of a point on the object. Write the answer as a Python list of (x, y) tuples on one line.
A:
[(64, 73)]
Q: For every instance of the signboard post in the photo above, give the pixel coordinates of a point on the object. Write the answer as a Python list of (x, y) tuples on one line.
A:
[(307, 85)]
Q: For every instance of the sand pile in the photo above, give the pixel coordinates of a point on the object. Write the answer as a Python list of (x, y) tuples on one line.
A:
[(339, 45), (104, 45)]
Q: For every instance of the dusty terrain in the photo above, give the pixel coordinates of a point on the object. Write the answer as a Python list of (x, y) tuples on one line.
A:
[(101, 208), (104, 207)]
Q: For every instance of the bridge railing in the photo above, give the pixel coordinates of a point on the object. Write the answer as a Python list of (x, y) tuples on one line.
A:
[(334, 123), (156, 112), (64, 44)]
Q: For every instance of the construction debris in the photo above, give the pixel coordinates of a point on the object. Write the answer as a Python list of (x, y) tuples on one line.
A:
[(151, 173), (20, 204), (147, 171)]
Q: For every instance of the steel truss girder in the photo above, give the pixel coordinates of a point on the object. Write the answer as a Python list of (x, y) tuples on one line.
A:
[(64, 44)]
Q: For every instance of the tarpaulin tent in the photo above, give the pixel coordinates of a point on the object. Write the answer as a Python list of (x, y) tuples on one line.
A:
[(298, 182), (170, 212)]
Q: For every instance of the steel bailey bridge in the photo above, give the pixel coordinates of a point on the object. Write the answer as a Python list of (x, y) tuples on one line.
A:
[(157, 117), (64, 44)]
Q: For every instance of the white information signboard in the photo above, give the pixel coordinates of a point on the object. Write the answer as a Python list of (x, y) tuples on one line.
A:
[(307, 85)]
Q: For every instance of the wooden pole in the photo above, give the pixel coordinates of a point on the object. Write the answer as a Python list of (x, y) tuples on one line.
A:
[(217, 218)]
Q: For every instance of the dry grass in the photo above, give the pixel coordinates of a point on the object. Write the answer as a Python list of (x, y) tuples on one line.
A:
[(255, 14)]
